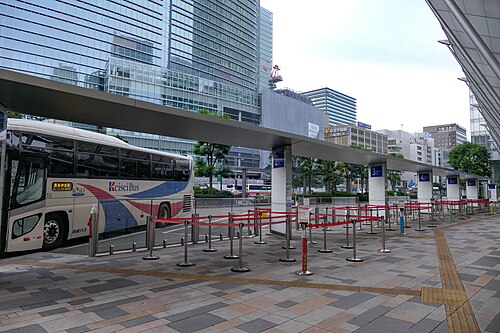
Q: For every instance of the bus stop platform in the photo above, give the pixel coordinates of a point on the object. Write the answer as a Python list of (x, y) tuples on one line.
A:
[(444, 279)]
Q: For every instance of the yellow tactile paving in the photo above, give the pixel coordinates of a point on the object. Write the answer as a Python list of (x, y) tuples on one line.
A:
[(458, 309)]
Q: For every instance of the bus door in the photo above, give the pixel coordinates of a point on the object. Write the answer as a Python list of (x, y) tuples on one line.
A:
[(27, 205)]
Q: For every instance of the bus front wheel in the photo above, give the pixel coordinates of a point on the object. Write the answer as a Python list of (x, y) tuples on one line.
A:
[(163, 213), (54, 231)]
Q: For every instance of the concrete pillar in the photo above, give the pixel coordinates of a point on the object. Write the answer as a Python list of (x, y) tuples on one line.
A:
[(281, 181), (377, 180), (492, 190), (453, 187)]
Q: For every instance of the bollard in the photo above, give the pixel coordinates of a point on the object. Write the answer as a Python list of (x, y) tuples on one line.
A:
[(383, 249), (185, 263), (324, 249), (195, 228), (304, 270), (240, 268), (209, 248), (111, 248), (346, 246), (164, 243), (93, 232), (182, 241), (150, 238), (221, 237), (231, 255), (260, 241), (134, 247), (354, 258), (288, 236)]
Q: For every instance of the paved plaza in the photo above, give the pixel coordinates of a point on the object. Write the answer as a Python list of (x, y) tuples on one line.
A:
[(444, 279)]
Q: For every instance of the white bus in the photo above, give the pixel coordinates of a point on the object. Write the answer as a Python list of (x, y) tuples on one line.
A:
[(54, 174)]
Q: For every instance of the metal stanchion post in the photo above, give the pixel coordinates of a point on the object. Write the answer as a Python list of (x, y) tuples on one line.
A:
[(390, 228), (316, 212), (304, 270), (231, 254), (93, 232), (134, 247), (240, 268), (360, 227), (288, 233), (185, 263), (260, 241), (431, 225), (326, 220), (249, 231), (383, 249), (150, 238), (111, 249), (288, 236), (324, 249), (346, 246), (210, 248), (354, 258)]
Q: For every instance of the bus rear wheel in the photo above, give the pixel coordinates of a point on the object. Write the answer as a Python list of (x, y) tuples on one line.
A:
[(54, 231), (163, 213)]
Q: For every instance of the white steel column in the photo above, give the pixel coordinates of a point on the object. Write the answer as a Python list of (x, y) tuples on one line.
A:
[(453, 187), (424, 189), (377, 180), (281, 181), (492, 190), (471, 189)]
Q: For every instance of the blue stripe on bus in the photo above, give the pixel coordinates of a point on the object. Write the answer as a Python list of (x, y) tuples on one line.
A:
[(162, 190), (117, 216)]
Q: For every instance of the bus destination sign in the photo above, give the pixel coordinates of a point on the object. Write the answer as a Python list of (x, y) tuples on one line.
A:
[(62, 186)]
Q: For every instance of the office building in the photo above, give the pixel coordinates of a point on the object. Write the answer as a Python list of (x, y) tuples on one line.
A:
[(480, 134), (447, 136), (185, 54), (349, 135), (341, 108)]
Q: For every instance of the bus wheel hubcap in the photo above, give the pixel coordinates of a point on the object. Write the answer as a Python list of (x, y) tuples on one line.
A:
[(51, 231)]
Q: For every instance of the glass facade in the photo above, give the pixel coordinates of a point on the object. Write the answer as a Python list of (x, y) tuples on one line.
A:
[(187, 54), (265, 48), (341, 109)]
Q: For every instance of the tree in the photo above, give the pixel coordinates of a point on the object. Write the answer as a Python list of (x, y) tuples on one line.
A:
[(393, 176), (471, 158), (332, 173), (211, 158)]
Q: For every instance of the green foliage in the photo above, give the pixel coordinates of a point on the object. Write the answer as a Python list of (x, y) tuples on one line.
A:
[(17, 115), (211, 158), (471, 158), (211, 193), (393, 176)]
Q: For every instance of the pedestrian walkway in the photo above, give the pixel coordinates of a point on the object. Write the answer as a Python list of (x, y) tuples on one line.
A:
[(445, 279)]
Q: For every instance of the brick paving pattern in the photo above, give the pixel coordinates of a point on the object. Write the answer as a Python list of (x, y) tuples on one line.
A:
[(441, 280)]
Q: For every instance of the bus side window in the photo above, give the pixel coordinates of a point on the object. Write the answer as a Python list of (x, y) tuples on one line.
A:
[(30, 181)]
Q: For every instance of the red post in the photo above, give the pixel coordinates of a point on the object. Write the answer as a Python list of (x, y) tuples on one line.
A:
[(304, 254)]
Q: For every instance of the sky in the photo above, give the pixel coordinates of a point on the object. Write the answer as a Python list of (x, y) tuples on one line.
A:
[(384, 53)]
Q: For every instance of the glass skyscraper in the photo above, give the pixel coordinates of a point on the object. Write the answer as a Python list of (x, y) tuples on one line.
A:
[(187, 54), (340, 108)]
